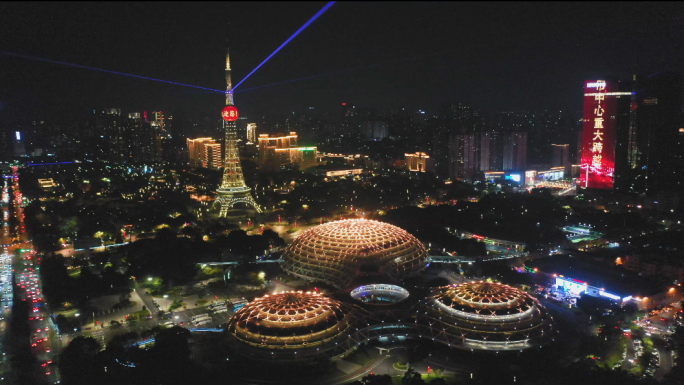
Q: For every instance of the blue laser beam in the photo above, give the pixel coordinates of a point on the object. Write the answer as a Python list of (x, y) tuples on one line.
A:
[(316, 16), (295, 80), (108, 71), (343, 71)]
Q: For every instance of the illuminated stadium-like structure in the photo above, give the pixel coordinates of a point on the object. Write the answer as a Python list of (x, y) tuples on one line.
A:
[(290, 326), (337, 252), (305, 326), (485, 316)]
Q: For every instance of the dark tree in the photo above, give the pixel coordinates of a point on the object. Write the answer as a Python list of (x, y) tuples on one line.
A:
[(79, 362)]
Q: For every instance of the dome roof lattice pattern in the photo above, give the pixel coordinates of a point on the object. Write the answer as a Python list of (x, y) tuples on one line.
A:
[(289, 320), (336, 252), (489, 315)]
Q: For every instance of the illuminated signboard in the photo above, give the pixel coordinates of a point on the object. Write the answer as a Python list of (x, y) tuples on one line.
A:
[(572, 287), (598, 135), (230, 113), (18, 135), (513, 177)]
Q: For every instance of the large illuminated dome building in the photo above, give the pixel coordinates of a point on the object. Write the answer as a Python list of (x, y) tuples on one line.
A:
[(338, 252), (485, 316), (305, 326)]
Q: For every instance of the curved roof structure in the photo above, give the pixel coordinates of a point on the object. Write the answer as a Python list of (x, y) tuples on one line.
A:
[(291, 324), (487, 316), (336, 252)]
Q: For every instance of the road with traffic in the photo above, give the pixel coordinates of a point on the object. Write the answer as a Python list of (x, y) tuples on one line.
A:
[(20, 258)]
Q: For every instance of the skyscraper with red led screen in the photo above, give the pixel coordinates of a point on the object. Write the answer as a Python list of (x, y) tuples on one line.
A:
[(598, 134)]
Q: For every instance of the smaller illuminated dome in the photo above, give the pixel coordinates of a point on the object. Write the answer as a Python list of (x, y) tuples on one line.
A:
[(379, 294), (488, 316), (292, 325)]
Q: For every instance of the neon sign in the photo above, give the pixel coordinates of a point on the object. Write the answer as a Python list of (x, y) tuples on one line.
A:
[(598, 137), (599, 84), (574, 288), (230, 113)]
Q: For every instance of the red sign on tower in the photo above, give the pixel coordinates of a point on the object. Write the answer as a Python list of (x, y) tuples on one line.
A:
[(230, 113)]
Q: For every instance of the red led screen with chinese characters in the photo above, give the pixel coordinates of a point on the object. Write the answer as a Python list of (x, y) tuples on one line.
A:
[(598, 135), (229, 113)]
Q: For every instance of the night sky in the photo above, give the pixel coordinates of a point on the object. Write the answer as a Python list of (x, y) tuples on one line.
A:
[(499, 56)]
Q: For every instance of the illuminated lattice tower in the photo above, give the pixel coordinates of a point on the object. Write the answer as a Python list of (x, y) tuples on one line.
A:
[(233, 188)]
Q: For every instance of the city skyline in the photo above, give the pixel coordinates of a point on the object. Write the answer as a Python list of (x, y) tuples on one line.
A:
[(534, 57), (342, 193)]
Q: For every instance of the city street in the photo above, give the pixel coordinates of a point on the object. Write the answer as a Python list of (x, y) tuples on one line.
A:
[(25, 266)]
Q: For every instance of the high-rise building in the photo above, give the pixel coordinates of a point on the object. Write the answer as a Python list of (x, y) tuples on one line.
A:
[(158, 117), (19, 144), (197, 152), (374, 129), (453, 138), (600, 132), (514, 151), (655, 139), (251, 133), (491, 150), (276, 152), (419, 162), (213, 157), (560, 157), (115, 138), (463, 156)]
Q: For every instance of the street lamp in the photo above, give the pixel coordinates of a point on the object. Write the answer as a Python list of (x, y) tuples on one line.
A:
[(149, 279)]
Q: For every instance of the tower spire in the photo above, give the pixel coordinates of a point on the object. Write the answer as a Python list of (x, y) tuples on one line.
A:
[(233, 188), (229, 84)]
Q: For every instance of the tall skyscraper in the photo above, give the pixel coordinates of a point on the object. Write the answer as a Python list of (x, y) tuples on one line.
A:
[(491, 150), (514, 151), (456, 141), (560, 157), (111, 136), (233, 188), (374, 129), (251, 132), (213, 158), (599, 134), (204, 152), (463, 156), (655, 139)]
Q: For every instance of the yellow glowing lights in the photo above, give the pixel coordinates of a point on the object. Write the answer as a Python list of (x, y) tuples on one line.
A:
[(334, 252), (488, 315), (598, 122), (598, 135), (289, 320)]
